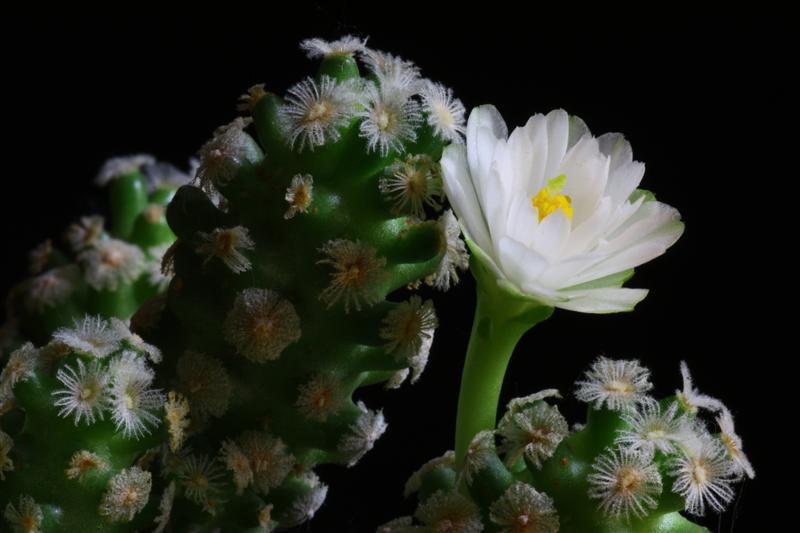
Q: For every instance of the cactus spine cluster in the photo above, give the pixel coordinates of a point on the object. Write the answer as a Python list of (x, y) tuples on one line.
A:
[(632, 467)]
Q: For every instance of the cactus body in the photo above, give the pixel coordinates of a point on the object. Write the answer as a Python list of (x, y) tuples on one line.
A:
[(633, 467), (278, 310)]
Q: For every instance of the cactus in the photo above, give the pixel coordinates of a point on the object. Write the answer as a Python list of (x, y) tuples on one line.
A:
[(631, 468), (107, 271), (278, 310), (81, 418)]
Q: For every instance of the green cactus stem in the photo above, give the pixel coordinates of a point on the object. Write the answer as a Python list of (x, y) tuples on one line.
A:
[(633, 467), (501, 318), (292, 268)]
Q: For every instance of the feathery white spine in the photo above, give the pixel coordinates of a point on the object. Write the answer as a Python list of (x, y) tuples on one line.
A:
[(626, 482), (117, 167), (413, 182), (703, 473), (691, 399), (362, 435), (84, 395), (408, 329), (109, 263), (205, 382), (132, 402), (450, 511), (615, 384), (357, 273), (91, 336), (444, 112), (343, 47), (534, 431), (454, 253), (733, 444), (390, 118), (27, 519), (228, 150), (523, 509), (261, 324), (479, 452), (227, 244), (52, 288), (6, 464), (650, 428), (316, 111), (299, 195), (126, 494)]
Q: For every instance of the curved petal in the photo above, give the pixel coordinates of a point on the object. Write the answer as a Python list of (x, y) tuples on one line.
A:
[(488, 119), (520, 263), (460, 192), (602, 300), (557, 141), (625, 174)]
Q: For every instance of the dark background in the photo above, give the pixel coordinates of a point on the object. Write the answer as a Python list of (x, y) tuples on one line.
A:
[(703, 102)]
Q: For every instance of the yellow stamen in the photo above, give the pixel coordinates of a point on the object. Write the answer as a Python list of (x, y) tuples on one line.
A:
[(549, 198)]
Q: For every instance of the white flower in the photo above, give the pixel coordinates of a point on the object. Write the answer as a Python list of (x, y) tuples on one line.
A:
[(619, 385), (120, 166), (554, 211), (85, 392)]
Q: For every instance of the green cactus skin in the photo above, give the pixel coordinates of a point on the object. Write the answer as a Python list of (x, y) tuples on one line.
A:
[(63, 288), (47, 485), (308, 348), (533, 448)]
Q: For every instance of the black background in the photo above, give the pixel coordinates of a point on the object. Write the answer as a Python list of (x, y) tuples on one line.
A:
[(703, 102)]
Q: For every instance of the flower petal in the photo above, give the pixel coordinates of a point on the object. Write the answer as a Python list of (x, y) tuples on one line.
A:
[(519, 262), (602, 300), (459, 189)]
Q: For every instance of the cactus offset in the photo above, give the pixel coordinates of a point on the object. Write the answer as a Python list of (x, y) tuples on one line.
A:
[(107, 271), (278, 310), (631, 468)]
